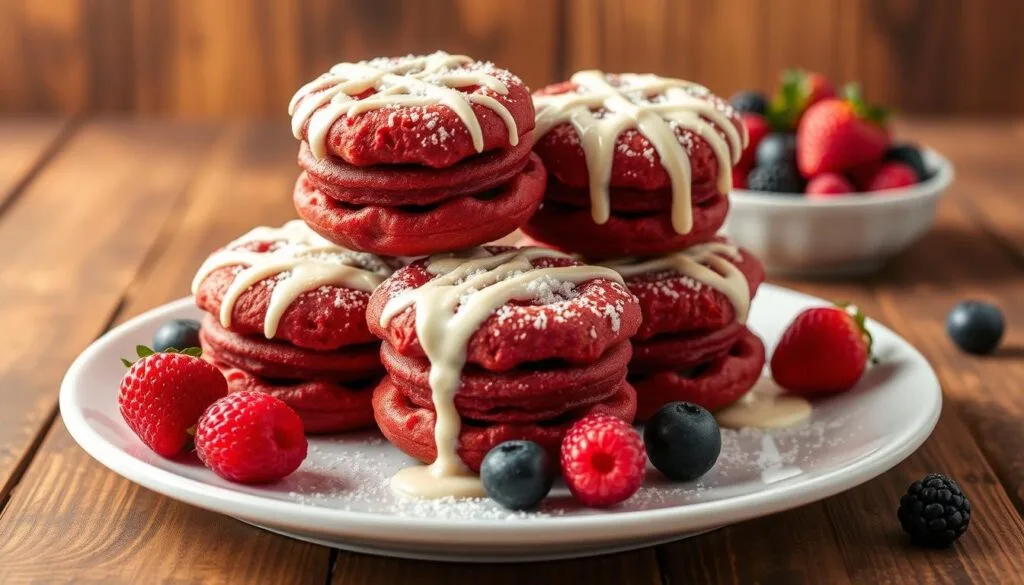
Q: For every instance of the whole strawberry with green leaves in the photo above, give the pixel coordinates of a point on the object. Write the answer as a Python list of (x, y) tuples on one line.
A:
[(162, 396), (838, 135), (799, 89), (825, 350)]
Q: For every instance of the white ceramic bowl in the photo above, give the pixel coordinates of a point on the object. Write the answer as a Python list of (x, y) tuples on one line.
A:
[(840, 236)]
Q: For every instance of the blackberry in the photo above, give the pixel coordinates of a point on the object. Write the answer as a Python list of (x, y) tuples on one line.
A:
[(934, 511), (752, 102), (780, 178), (909, 155)]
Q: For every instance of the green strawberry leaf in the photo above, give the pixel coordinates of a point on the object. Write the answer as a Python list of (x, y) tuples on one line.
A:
[(860, 319), (863, 109), (144, 352), (788, 103)]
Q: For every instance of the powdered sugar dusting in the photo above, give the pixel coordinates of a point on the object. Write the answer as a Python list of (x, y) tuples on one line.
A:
[(351, 473)]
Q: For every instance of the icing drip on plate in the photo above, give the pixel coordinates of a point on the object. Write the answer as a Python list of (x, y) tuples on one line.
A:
[(406, 81), (300, 260), (469, 287), (604, 106), (766, 406), (710, 263)]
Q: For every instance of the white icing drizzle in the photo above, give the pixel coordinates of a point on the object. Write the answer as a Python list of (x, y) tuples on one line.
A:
[(302, 261), (470, 286), (402, 82), (604, 106), (707, 263)]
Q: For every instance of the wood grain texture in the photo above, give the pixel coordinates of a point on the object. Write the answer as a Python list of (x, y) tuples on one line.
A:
[(634, 568), (72, 242), (974, 251), (122, 531), (241, 58), (916, 56), (244, 58), (25, 146)]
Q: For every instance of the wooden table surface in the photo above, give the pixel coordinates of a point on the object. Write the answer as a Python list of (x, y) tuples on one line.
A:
[(101, 219)]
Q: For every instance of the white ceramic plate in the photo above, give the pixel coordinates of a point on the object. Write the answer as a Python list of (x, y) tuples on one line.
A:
[(339, 496)]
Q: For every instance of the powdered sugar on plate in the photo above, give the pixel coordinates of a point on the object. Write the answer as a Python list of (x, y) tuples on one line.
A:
[(352, 472)]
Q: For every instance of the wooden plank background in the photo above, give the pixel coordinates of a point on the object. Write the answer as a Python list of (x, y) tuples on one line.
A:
[(244, 58)]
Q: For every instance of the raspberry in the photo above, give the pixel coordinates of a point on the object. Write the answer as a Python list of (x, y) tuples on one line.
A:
[(890, 175), (828, 184), (163, 395), (603, 460), (251, 437)]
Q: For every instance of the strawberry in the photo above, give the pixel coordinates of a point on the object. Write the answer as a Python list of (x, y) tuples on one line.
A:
[(839, 134), (798, 91), (823, 351), (163, 395), (891, 175), (828, 185), (757, 128)]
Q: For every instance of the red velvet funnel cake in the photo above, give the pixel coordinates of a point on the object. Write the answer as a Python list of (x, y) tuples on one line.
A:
[(287, 316), (694, 345), (492, 344), (416, 155), (638, 165)]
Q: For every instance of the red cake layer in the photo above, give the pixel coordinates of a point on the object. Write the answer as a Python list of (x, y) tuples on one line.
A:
[(673, 303), (635, 162), (453, 224), (274, 359), (683, 350), (599, 314), (411, 428), (323, 406), (431, 135), (644, 234), (525, 394), (713, 385), (413, 185), (324, 319)]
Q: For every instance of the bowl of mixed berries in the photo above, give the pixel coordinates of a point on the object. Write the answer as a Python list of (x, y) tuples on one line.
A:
[(823, 187)]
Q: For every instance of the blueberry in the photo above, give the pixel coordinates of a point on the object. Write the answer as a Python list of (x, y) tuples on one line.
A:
[(776, 148), (517, 474), (779, 178), (752, 102), (909, 155), (179, 334), (975, 327), (682, 440)]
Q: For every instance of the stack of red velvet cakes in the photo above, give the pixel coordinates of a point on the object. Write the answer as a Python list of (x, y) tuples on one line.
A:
[(414, 155), (431, 156), (536, 341), (287, 317), (639, 173)]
